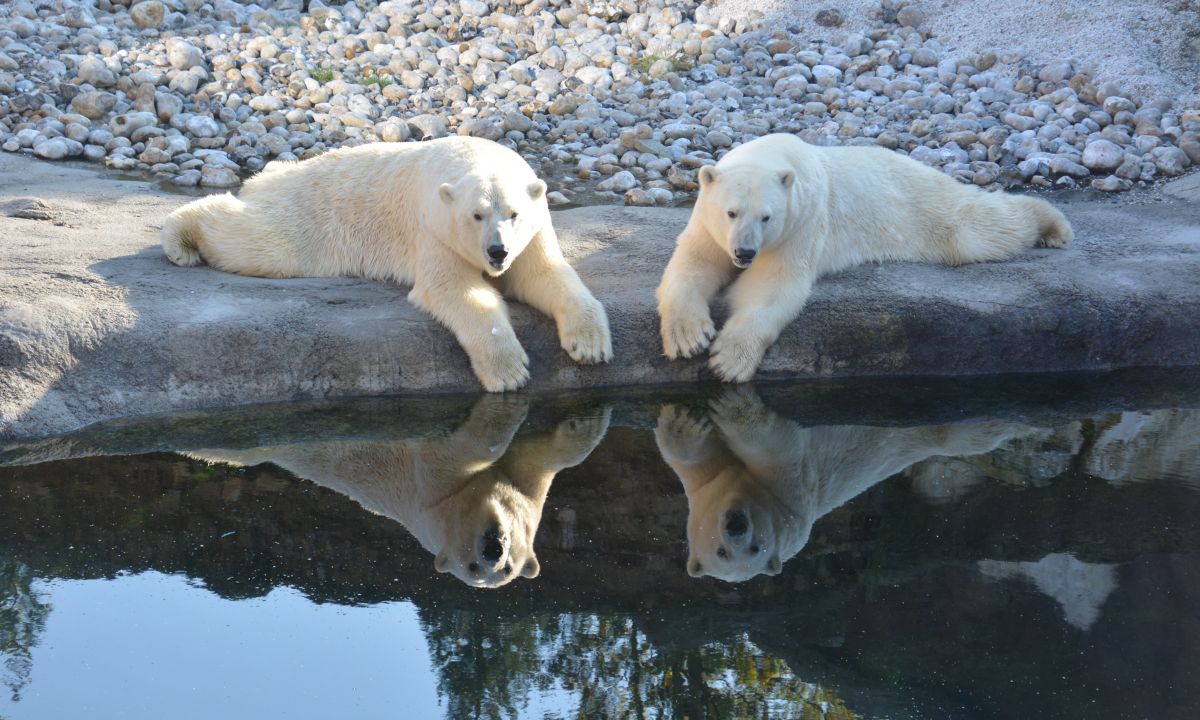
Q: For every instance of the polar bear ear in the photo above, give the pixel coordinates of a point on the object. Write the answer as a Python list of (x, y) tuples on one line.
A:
[(441, 563), (787, 177), (537, 189), (774, 566), (531, 569), (695, 569), (446, 193), (708, 175)]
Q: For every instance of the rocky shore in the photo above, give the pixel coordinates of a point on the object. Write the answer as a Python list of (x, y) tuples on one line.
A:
[(622, 99)]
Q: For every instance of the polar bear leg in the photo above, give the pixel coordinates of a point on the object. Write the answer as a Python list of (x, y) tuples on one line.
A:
[(485, 437), (541, 277), (458, 297), (767, 297), (695, 274), (995, 226), (570, 444)]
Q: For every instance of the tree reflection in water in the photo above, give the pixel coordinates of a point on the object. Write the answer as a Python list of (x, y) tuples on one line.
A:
[(488, 670), (22, 621)]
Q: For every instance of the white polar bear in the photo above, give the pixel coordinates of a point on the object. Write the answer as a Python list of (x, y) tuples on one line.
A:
[(473, 499), (757, 482), (455, 218), (788, 212)]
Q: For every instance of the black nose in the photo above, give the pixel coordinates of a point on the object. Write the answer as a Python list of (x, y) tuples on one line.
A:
[(497, 252), (492, 548), (736, 523), (744, 254)]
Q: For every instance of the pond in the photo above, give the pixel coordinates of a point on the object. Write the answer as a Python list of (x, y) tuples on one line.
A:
[(1012, 547)]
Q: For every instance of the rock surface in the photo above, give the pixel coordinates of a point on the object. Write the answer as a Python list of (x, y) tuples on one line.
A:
[(96, 324)]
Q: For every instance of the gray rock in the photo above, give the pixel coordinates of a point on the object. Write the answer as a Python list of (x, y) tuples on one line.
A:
[(428, 127), (620, 182), (910, 16), (54, 149), (187, 178), (218, 177), (148, 14), (1066, 166), (330, 338), (183, 55), (1111, 183), (94, 104), (1102, 155), (128, 123), (1170, 161), (93, 70), (202, 126)]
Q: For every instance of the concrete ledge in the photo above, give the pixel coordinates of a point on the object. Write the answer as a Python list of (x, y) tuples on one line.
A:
[(95, 324)]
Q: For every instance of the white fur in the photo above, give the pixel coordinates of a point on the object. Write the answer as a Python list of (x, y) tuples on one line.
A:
[(407, 212), (784, 477), (825, 209), (447, 491)]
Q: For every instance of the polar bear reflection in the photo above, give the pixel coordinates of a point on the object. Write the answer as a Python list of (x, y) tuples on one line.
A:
[(473, 498), (756, 482)]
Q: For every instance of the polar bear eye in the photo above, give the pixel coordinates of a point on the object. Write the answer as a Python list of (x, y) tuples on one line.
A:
[(722, 552), (732, 213), (766, 218), (513, 216), (478, 216)]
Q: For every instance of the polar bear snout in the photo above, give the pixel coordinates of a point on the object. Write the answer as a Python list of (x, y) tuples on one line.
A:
[(496, 253), (491, 545), (736, 523), (742, 256)]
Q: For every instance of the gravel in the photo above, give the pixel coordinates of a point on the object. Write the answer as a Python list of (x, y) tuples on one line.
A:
[(616, 100)]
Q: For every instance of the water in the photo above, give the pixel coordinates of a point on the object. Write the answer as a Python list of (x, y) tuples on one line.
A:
[(997, 548)]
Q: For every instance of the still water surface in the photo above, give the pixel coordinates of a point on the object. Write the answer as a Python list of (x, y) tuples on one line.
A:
[(1012, 548)]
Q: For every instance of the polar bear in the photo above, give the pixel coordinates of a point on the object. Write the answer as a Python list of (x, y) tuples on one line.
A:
[(455, 218), (756, 482), (787, 212), (473, 499)]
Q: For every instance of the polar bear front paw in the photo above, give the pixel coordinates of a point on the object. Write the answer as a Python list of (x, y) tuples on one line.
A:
[(736, 355), (582, 433), (686, 333), (739, 410), (504, 366), (584, 334)]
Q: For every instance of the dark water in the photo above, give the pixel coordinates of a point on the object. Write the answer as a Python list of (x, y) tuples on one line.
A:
[(1005, 548)]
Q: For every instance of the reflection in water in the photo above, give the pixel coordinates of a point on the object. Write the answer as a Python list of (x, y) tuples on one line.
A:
[(474, 499), (22, 620), (1080, 588), (1009, 568), (756, 482)]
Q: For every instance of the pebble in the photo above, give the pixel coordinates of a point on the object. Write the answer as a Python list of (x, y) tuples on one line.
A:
[(631, 98)]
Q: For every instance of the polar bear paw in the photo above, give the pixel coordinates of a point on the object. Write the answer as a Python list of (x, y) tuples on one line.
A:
[(686, 333), (738, 410), (679, 424), (583, 333), (736, 355), (582, 433), (504, 366)]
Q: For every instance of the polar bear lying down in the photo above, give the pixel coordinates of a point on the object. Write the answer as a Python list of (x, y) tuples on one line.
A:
[(757, 482), (787, 212), (455, 218)]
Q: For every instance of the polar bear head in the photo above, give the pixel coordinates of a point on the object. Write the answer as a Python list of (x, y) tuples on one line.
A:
[(484, 534), (493, 218), (737, 529), (745, 207)]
